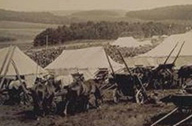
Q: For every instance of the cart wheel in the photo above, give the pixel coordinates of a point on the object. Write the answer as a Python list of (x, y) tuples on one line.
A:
[(139, 97), (115, 96), (2, 99)]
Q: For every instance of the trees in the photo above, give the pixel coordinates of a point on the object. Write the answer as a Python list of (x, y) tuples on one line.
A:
[(105, 30)]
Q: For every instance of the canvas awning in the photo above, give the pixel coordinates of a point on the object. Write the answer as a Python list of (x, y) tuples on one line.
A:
[(87, 61)]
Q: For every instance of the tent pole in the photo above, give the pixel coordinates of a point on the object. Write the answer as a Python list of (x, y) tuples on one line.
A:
[(18, 75), (7, 67), (5, 60)]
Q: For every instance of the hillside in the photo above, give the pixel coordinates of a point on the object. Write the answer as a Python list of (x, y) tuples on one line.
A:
[(172, 14), (179, 12), (34, 17)]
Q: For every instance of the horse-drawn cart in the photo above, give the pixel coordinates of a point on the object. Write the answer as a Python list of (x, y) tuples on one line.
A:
[(127, 84), (183, 103)]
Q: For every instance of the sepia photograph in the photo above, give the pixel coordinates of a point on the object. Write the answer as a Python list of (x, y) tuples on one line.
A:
[(95, 62)]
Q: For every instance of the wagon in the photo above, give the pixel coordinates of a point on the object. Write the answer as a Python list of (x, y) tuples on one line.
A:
[(128, 86)]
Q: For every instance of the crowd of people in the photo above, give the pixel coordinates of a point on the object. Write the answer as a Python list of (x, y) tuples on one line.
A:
[(44, 57)]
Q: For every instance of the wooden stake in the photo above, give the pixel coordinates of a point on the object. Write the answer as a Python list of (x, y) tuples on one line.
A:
[(164, 117)]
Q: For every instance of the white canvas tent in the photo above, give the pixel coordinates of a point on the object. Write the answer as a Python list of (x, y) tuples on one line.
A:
[(159, 54), (129, 42), (86, 61), (14, 61)]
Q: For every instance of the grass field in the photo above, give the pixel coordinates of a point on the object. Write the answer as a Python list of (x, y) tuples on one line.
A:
[(124, 113), (24, 33)]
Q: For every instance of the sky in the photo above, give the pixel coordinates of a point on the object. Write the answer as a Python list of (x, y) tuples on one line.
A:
[(47, 5)]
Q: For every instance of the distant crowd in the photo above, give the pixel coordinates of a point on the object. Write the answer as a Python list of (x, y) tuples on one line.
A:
[(44, 57)]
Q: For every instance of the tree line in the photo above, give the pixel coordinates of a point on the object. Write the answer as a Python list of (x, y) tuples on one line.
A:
[(106, 30), (6, 39)]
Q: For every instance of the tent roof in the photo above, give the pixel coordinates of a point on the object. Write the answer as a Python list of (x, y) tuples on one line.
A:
[(168, 44), (158, 55), (24, 64), (129, 42), (87, 58)]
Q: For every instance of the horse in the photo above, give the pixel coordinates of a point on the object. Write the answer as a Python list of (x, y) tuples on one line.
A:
[(43, 94), (81, 96)]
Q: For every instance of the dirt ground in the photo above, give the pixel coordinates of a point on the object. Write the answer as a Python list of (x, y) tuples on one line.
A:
[(110, 114)]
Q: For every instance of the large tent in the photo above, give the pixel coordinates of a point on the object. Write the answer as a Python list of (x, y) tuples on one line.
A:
[(129, 42), (86, 61), (158, 55), (13, 62)]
